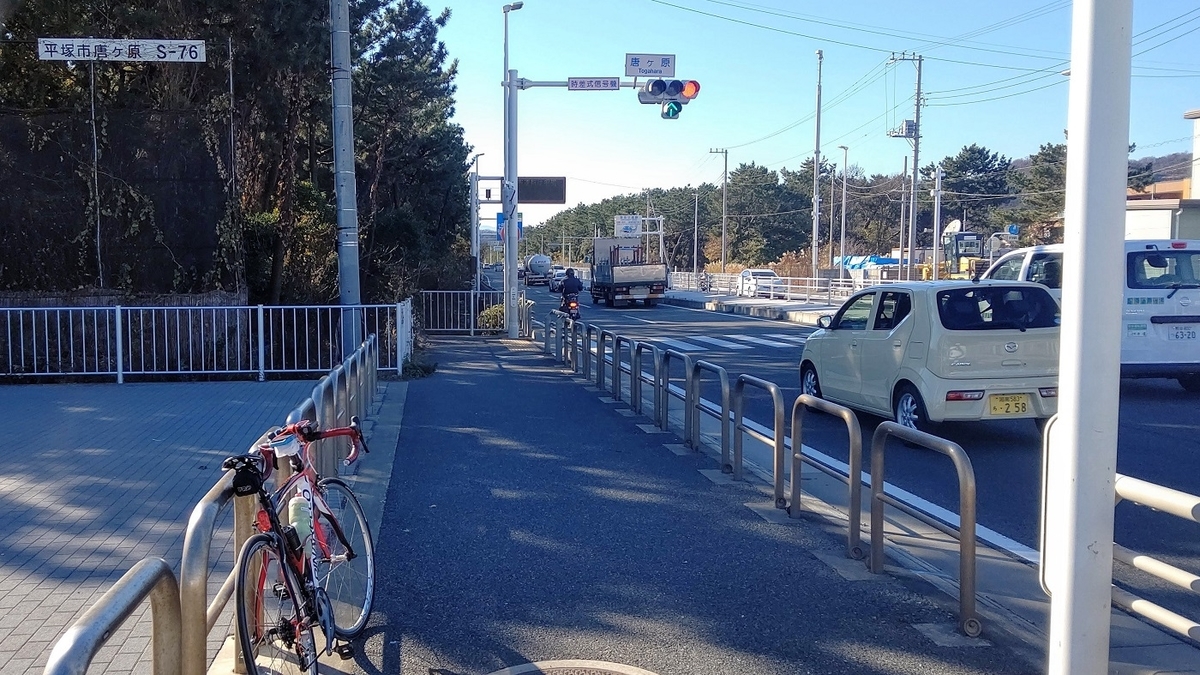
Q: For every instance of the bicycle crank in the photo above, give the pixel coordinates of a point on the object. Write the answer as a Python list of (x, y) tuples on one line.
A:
[(325, 617)]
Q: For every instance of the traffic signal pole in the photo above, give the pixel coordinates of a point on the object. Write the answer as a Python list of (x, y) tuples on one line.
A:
[(816, 197)]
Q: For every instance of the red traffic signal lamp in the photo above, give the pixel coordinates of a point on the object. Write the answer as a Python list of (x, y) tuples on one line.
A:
[(669, 91)]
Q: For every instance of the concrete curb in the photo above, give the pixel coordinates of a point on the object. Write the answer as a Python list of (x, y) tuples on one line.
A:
[(774, 312)]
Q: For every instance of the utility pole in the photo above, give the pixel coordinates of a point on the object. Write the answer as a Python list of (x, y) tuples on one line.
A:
[(696, 237), (724, 201), (937, 218), (816, 198), (845, 172), (343, 166), (831, 204), (903, 206), (912, 131)]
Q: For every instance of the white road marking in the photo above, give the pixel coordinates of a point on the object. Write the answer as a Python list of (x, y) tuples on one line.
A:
[(718, 342), (759, 341), (681, 346), (637, 318), (782, 336)]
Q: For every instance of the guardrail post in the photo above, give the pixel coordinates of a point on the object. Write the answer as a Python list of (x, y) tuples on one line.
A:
[(616, 378), (262, 350), (604, 335), (635, 363), (799, 413), (692, 432), (151, 577), (665, 391), (777, 441), (120, 348), (968, 620)]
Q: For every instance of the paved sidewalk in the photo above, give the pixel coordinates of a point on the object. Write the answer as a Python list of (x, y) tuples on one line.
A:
[(530, 520)]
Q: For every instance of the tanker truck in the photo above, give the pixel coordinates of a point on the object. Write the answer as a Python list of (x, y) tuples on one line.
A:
[(537, 269)]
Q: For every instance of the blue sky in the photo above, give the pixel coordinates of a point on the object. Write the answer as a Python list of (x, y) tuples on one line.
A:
[(990, 76)]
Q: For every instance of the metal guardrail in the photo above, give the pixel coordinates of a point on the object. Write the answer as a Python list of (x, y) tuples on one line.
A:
[(618, 340), (664, 384), (739, 429), (152, 578), (968, 619), (347, 389), (256, 341), (455, 312), (601, 354), (587, 349), (854, 480), (635, 362), (692, 387)]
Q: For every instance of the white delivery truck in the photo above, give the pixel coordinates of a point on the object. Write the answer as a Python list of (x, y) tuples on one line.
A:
[(621, 275), (1160, 324)]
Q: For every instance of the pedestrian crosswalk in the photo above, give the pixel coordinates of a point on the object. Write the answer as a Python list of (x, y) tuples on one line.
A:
[(700, 343)]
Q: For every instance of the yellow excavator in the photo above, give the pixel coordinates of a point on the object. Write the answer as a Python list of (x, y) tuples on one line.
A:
[(962, 257)]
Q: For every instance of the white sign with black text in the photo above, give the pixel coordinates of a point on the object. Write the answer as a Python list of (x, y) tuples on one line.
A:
[(103, 49)]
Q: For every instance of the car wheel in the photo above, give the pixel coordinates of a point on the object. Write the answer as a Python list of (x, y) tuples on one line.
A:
[(809, 382), (909, 409), (1190, 382)]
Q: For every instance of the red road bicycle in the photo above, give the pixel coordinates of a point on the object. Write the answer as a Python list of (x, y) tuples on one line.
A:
[(318, 571)]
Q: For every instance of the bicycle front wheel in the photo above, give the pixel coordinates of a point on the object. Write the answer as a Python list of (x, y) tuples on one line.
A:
[(274, 637), (346, 574)]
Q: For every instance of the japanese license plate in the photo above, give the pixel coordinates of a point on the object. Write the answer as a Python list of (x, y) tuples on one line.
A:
[(1184, 332), (1009, 404)]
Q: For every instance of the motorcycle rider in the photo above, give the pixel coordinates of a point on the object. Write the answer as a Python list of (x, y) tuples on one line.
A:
[(570, 286)]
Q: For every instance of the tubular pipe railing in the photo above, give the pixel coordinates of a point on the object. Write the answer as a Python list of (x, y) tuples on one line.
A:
[(151, 577), (778, 429), (968, 619), (589, 330), (664, 395), (799, 412), (601, 354), (635, 362), (692, 434), (616, 367)]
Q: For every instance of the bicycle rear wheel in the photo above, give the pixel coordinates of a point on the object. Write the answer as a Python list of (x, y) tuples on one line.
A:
[(274, 636), (348, 577)]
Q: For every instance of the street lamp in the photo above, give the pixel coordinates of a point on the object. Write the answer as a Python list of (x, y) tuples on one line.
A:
[(845, 169), (509, 187)]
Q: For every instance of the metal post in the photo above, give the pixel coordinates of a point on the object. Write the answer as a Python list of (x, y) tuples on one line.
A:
[(845, 171), (262, 350), (343, 165), (916, 169), (724, 201), (96, 174), (120, 347), (474, 187), (903, 205), (1081, 490), (816, 196), (937, 219), (696, 238), (510, 207)]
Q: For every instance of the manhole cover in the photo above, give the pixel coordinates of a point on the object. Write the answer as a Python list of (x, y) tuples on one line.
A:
[(573, 667)]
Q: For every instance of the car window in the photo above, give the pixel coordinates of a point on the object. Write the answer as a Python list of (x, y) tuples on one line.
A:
[(764, 273), (1163, 269), (854, 315), (997, 307), (893, 307), (1046, 269), (1008, 270)]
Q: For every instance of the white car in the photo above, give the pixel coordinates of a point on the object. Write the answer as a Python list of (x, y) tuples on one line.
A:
[(927, 352), (556, 281), (1160, 324), (755, 282)]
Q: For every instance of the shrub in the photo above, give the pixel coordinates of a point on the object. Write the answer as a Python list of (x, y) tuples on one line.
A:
[(492, 318)]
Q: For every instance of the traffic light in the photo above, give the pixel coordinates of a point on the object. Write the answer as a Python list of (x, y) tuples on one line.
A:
[(671, 94)]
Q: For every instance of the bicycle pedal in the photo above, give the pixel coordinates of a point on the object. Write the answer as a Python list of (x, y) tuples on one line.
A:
[(280, 591), (344, 650)]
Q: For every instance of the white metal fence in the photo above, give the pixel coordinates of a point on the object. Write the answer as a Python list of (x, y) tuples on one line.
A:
[(155, 341), (450, 312)]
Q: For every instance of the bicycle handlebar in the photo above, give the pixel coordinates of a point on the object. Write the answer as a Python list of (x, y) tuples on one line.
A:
[(308, 432)]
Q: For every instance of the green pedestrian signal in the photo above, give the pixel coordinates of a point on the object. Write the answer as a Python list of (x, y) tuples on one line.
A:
[(671, 110)]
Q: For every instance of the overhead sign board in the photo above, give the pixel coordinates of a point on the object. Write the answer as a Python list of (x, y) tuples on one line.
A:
[(650, 65), (593, 83), (100, 49), (627, 226), (542, 190)]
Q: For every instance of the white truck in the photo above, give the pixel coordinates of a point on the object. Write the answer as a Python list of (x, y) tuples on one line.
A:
[(537, 269), (621, 275)]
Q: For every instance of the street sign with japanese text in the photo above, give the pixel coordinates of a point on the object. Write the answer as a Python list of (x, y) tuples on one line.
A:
[(593, 83), (650, 65), (627, 226), (103, 49)]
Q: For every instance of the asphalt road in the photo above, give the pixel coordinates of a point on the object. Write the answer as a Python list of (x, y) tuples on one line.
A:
[(1159, 438)]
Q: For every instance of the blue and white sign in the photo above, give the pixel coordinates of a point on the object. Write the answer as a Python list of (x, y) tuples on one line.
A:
[(593, 83), (500, 226), (650, 65), (627, 226), (1013, 229)]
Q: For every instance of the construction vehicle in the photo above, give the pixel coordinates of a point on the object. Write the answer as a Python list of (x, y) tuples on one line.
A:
[(621, 275), (962, 257)]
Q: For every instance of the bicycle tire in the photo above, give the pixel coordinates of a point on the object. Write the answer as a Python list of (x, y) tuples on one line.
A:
[(272, 633), (350, 584)]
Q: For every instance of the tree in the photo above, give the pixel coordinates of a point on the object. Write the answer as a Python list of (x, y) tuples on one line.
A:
[(974, 185)]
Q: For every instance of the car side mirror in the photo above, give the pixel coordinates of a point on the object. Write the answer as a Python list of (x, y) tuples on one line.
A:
[(825, 322)]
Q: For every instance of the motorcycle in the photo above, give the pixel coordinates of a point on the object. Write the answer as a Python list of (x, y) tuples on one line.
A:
[(570, 305)]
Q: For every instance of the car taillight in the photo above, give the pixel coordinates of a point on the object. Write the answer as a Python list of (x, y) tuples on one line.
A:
[(964, 395), (1048, 392), (1179, 244)]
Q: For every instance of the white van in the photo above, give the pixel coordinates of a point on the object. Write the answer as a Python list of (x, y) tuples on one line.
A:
[(1160, 328)]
